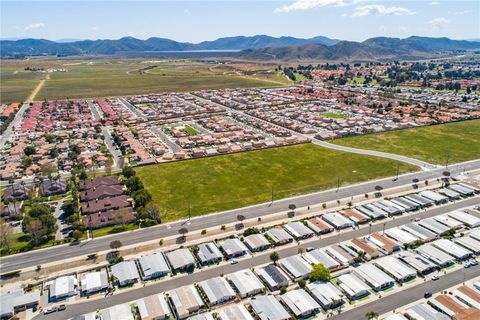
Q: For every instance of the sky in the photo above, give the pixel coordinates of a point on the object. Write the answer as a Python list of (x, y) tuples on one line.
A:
[(196, 21)]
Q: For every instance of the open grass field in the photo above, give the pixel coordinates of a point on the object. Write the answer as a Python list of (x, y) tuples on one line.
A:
[(452, 142), (116, 77), (236, 180)]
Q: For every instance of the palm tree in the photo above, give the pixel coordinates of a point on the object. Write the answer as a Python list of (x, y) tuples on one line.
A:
[(292, 207), (371, 315), (183, 232), (240, 218)]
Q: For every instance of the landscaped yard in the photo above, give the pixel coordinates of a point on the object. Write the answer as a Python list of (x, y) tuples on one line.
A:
[(452, 142), (232, 181)]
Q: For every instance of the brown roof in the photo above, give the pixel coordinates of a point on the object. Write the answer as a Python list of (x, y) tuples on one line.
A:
[(449, 303), (474, 295), (110, 217), (101, 192), (362, 244), (388, 244), (99, 181), (319, 223), (105, 204), (468, 314), (354, 214)]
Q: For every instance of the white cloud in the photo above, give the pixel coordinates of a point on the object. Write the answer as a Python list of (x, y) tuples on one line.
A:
[(301, 5), (381, 10), (33, 26), (460, 13), (434, 3), (438, 22)]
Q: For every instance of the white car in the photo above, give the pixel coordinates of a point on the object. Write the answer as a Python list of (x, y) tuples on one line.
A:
[(435, 277), (233, 261), (49, 310)]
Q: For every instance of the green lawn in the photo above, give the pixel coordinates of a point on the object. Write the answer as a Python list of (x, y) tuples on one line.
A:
[(457, 142), (236, 180), (190, 131), (113, 229), (333, 115)]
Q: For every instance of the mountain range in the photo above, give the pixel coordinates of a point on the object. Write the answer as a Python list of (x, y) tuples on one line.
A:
[(259, 47), (371, 49), (26, 47)]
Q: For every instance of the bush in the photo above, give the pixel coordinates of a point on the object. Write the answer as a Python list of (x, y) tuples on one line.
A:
[(283, 290), (302, 283), (114, 257)]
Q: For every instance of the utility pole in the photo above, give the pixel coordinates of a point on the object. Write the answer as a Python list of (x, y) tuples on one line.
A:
[(383, 229), (272, 193), (338, 184), (189, 209)]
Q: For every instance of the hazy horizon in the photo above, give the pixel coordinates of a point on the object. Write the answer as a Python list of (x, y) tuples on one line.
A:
[(197, 21)]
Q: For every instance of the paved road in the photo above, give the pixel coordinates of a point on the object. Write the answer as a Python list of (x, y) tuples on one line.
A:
[(132, 108), (33, 258), (114, 151), (422, 164), (410, 295), (94, 110), (162, 136), (209, 272), (15, 123)]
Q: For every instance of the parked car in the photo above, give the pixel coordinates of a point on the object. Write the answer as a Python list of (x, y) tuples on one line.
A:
[(233, 261), (61, 307), (49, 310), (427, 295), (435, 277), (310, 249)]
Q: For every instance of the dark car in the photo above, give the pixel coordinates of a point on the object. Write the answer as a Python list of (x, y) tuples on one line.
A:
[(427, 295)]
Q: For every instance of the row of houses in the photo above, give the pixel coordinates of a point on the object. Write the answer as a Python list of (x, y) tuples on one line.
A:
[(103, 202)]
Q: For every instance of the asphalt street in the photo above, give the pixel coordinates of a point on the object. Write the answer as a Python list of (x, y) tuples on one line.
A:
[(246, 263), (407, 296), (34, 258), (15, 123)]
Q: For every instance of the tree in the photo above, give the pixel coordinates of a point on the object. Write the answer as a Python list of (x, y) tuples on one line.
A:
[(128, 172), (153, 212), (41, 209), (319, 273), (83, 175), (371, 315), (292, 207), (109, 164), (115, 245), (29, 150), (5, 234), (77, 234), (183, 232), (48, 169), (141, 198), (302, 283), (240, 218), (274, 256), (134, 184)]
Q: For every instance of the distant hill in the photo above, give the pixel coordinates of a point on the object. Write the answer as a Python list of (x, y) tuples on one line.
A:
[(371, 49), (26, 47)]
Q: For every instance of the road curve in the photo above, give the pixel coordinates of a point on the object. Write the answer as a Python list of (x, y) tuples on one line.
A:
[(422, 164)]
